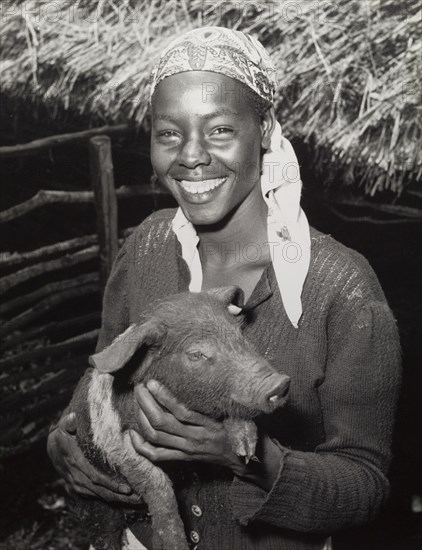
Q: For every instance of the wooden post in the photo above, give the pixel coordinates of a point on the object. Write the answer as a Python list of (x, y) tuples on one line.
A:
[(105, 202)]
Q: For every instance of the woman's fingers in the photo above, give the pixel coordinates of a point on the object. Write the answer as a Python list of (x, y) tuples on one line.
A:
[(109, 496), (162, 438), (163, 429), (155, 453), (86, 476), (103, 481), (84, 487), (178, 409), (157, 417)]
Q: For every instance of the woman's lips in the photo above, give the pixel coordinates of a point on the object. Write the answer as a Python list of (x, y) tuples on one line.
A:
[(200, 187)]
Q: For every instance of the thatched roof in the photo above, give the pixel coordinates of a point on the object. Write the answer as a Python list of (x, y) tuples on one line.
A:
[(349, 71)]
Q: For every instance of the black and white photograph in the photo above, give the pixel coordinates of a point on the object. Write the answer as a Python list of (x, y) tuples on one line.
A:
[(211, 275)]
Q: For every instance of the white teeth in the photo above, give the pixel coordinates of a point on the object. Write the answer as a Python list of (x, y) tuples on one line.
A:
[(201, 186)]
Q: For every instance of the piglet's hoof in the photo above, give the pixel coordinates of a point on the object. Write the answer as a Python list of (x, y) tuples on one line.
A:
[(243, 437)]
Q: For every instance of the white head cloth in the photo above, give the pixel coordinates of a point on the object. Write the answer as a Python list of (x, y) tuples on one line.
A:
[(243, 58)]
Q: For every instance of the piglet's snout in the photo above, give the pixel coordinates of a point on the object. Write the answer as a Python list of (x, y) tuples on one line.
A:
[(276, 392)]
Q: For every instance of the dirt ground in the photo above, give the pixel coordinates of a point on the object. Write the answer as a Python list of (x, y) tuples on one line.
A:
[(36, 514)]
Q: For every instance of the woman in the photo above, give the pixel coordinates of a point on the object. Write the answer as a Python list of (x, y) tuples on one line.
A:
[(314, 308)]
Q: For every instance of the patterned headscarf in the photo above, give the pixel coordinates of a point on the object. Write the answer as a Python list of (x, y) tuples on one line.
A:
[(219, 50), (243, 58)]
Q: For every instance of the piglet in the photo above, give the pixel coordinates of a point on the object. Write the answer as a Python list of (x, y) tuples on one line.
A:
[(192, 344)]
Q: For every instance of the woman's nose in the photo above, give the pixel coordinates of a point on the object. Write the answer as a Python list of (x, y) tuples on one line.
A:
[(193, 154)]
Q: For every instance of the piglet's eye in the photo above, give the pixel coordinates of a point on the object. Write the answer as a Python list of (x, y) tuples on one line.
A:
[(196, 355)]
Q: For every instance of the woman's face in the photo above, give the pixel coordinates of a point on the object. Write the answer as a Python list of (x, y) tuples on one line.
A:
[(206, 144)]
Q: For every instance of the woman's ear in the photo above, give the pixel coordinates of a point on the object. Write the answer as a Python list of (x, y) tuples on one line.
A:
[(267, 126)]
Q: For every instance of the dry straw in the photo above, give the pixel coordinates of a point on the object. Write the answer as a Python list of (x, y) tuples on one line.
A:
[(349, 70)]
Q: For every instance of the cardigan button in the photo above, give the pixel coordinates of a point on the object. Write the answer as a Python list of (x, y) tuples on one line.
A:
[(194, 537), (196, 511)]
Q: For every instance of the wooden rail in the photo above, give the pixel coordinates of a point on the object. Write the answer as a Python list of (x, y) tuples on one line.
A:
[(59, 140), (43, 198)]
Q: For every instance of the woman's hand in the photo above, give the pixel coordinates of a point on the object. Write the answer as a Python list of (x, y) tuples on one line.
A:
[(171, 432), (80, 475)]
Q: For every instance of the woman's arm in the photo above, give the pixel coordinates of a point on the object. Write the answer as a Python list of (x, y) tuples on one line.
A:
[(343, 482)]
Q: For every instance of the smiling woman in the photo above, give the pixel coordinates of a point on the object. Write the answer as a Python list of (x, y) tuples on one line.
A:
[(206, 148), (311, 306)]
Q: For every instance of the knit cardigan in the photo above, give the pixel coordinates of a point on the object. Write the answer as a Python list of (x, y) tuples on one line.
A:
[(335, 433)]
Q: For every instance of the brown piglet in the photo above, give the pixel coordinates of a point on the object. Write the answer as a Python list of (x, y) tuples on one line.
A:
[(193, 344)]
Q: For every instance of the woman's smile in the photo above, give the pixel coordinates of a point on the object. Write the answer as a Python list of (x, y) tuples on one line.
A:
[(202, 186), (200, 191)]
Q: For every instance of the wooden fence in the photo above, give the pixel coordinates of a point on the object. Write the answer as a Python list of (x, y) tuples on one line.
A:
[(39, 363)]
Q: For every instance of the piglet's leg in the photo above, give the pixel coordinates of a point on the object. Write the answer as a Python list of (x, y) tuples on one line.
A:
[(145, 478), (243, 437), (155, 487)]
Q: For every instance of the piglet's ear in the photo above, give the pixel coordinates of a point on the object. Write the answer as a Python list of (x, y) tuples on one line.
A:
[(117, 354), (227, 295)]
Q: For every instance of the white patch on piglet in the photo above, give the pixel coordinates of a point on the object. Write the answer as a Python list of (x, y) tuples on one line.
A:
[(146, 479), (105, 422)]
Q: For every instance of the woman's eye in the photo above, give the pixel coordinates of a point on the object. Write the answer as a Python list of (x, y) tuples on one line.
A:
[(223, 131), (196, 355), (168, 135)]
